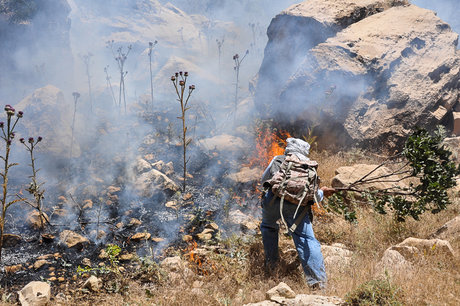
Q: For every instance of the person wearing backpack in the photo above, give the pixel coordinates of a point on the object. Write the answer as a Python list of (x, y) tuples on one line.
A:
[(291, 186)]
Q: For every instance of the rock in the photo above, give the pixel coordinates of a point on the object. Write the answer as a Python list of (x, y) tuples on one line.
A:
[(167, 168), (224, 143), (172, 264), (263, 303), (72, 239), (86, 262), (246, 222), (171, 204), (11, 240), (213, 226), (140, 236), (187, 238), (453, 144), (127, 257), (113, 189), (134, 222), (153, 181), (40, 263), (35, 294), (280, 292), (364, 69), (456, 130), (347, 175), (245, 175), (142, 166), (206, 234), (51, 116), (449, 231), (429, 246), (37, 222), (93, 283), (157, 239), (314, 300), (45, 257), (393, 263), (336, 256), (87, 204), (13, 269)]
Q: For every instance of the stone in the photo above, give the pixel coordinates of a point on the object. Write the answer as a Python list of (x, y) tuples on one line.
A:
[(206, 234), (224, 143), (87, 204), (172, 264), (336, 257), (171, 204), (157, 239), (11, 240), (93, 283), (134, 222), (40, 263), (154, 181), (453, 144), (86, 262), (45, 257), (127, 256), (113, 189), (456, 130), (246, 222), (429, 246), (140, 236), (213, 226), (314, 300), (187, 238), (350, 174), (281, 290), (245, 175), (361, 71), (449, 231), (37, 222), (393, 263), (13, 269), (72, 239), (35, 294), (142, 166)]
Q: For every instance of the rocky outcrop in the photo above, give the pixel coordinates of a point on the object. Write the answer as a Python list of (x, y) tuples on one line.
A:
[(449, 231), (371, 71)]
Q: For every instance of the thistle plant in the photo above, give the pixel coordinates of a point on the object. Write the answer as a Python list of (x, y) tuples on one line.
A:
[(76, 96), (120, 57), (151, 46), (7, 136), (35, 188), (87, 60), (179, 80), (109, 84), (238, 61)]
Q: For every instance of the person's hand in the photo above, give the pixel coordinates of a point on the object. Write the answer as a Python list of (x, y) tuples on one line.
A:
[(328, 191)]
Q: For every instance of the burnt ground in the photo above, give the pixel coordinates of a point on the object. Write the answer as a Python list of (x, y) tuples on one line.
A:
[(208, 198)]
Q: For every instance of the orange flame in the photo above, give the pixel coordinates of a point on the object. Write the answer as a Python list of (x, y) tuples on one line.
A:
[(268, 145)]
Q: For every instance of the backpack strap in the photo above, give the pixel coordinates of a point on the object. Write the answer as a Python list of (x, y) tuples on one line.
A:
[(283, 185), (299, 219)]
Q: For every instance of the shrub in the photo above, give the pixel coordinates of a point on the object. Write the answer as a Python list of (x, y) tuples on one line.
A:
[(375, 292)]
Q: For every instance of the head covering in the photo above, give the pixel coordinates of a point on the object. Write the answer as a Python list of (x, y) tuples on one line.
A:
[(298, 147)]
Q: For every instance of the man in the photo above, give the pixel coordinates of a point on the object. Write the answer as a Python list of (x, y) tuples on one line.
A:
[(308, 248)]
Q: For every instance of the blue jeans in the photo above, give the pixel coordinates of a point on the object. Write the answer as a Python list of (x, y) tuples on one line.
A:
[(308, 248)]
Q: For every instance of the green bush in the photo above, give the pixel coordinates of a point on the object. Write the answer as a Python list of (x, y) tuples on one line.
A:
[(375, 292)]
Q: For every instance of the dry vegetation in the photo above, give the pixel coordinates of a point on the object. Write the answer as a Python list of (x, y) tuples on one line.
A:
[(237, 276)]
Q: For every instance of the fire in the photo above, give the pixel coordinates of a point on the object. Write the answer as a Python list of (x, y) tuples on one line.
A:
[(268, 145)]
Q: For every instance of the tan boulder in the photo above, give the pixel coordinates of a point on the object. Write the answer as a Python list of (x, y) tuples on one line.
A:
[(449, 231), (40, 263), (36, 221), (72, 239), (93, 283), (350, 174), (429, 246), (393, 263), (280, 292), (140, 236), (224, 143), (154, 181), (245, 175), (11, 240), (35, 294)]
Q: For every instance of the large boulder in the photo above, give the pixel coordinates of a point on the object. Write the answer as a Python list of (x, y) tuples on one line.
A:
[(348, 175), (369, 73), (449, 231)]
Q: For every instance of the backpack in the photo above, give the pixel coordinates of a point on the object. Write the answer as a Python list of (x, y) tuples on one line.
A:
[(296, 181)]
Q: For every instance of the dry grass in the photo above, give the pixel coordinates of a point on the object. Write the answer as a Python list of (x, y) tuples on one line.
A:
[(237, 276)]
